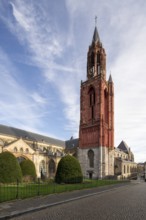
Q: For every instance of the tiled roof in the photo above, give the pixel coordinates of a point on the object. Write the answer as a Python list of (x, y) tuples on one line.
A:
[(18, 133), (123, 146)]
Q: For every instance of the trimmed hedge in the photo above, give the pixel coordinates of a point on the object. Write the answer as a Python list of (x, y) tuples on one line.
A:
[(10, 171), (28, 169), (68, 171)]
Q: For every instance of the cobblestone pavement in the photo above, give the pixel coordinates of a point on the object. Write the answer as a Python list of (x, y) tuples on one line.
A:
[(128, 202)]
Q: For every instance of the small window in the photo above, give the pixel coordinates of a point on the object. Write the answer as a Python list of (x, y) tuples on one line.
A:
[(15, 149), (27, 150), (21, 150)]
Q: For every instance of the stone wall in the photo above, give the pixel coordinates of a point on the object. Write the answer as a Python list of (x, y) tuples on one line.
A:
[(103, 162)]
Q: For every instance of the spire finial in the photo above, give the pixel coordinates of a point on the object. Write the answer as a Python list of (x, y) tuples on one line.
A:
[(95, 20)]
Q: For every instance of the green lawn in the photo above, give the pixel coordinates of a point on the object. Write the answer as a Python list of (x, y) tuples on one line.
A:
[(21, 191)]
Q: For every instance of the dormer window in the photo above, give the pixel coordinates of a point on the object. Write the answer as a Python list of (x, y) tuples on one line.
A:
[(21, 150), (15, 149), (27, 150)]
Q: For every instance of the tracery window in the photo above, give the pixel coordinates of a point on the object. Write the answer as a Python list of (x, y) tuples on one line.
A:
[(92, 101), (52, 167), (98, 58), (98, 63), (91, 158), (92, 59), (105, 106)]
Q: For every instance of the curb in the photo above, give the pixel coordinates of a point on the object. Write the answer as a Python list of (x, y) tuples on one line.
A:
[(41, 207)]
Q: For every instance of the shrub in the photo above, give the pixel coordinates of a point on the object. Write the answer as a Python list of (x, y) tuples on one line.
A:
[(28, 170), (68, 171), (10, 170)]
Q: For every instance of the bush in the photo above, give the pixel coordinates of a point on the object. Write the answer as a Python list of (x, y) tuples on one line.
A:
[(28, 170), (10, 170), (68, 171)]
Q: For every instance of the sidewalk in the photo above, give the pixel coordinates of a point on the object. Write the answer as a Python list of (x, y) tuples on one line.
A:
[(20, 207)]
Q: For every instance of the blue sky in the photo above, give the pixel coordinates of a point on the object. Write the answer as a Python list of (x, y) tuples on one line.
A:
[(43, 54)]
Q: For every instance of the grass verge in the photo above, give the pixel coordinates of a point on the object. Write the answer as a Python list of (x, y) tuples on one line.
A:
[(20, 191)]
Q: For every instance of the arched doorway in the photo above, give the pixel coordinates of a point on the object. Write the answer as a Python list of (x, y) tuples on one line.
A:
[(52, 168), (42, 169), (91, 158), (91, 163), (20, 159)]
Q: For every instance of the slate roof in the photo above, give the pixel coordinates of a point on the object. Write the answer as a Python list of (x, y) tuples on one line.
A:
[(110, 79), (18, 133), (123, 146), (72, 143), (95, 36)]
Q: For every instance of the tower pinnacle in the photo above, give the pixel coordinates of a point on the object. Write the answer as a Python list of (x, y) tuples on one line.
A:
[(95, 35), (110, 79)]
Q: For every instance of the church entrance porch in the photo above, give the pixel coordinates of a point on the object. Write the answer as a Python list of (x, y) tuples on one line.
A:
[(90, 174)]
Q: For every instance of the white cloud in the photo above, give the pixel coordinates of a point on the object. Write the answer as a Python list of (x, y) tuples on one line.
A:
[(16, 103), (46, 44), (38, 98)]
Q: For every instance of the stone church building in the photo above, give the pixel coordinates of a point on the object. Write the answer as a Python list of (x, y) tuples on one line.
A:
[(94, 148)]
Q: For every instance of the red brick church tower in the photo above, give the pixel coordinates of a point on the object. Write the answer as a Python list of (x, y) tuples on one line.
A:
[(96, 132)]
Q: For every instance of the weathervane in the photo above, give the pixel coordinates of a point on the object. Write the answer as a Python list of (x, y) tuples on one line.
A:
[(95, 20)]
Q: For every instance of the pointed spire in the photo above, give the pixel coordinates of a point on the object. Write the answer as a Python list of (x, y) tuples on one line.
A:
[(95, 36), (110, 79)]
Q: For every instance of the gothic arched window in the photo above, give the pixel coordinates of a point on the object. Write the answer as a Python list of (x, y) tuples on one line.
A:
[(105, 106), (91, 158), (52, 167), (124, 169), (98, 58), (15, 149), (42, 169), (92, 60), (20, 159), (98, 64), (92, 101), (127, 169)]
